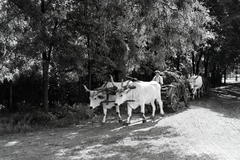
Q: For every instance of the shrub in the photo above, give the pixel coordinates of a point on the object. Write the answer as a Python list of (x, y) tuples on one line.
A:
[(61, 116), (13, 125)]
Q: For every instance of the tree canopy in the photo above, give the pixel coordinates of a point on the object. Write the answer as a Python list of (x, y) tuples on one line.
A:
[(86, 40)]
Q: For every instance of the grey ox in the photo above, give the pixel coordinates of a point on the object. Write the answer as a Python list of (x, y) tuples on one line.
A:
[(139, 93), (106, 96)]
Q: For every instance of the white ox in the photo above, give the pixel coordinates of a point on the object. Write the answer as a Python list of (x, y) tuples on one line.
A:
[(106, 96), (140, 93), (196, 85)]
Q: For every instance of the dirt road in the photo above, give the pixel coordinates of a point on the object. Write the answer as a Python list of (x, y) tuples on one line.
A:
[(209, 129)]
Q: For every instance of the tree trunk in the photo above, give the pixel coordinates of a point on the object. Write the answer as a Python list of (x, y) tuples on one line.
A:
[(45, 64), (225, 75), (206, 61), (10, 97), (79, 89), (198, 62), (236, 76), (178, 62), (213, 76), (89, 64), (193, 63)]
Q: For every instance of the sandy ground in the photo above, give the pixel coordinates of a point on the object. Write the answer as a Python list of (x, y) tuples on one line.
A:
[(208, 130)]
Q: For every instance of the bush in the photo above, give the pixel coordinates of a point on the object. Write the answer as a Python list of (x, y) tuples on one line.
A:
[(12, 124), (80, 111), (60, 116)]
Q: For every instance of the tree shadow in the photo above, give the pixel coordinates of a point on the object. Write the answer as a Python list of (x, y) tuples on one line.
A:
[(230, 91), (136, 143), (224, 100), (110, 141)]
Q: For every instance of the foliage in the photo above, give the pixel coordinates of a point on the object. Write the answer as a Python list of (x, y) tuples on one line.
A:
[(60, 116), (66, 42), (225, 49)]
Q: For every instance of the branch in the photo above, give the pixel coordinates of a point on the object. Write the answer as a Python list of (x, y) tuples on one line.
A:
[(168, 5), (49, 2)]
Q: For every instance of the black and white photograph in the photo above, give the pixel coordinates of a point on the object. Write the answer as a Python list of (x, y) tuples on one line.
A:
[(120, 80)]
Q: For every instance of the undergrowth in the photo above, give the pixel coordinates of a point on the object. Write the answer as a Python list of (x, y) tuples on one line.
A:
[(58, 116)]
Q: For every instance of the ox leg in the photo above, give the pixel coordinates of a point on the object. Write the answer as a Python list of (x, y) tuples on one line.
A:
[(118, 114), (202, 91), (104, 115), (143, 112), (199, 92), (129, 109), (160, 103), (153, 110), (194, 94)]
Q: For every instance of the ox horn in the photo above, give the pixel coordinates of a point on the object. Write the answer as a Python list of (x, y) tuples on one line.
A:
[(128, 83), (87, 90), (113, 81), (122, 84), (103, 87)]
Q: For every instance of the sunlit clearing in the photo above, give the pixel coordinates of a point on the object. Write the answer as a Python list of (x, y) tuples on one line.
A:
[(62, 152), (71, 135), (86, 153), (137, 122), (9, 144), (117, 129), (144, 129)]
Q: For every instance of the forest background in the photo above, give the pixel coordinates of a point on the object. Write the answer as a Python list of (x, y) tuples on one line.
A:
[(50, 48)]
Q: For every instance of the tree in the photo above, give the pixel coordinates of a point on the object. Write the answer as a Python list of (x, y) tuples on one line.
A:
[(46, 33), (73, 39), (227, 14)]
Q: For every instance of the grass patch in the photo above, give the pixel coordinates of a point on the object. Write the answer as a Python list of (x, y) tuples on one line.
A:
[(60, 116)]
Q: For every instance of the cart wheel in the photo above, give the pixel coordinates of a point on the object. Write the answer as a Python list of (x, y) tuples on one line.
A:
[(186, 98), (174, 103)]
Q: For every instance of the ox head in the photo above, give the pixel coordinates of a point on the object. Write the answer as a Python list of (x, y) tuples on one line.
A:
[(192, 84), (122, 92), (96, 97)]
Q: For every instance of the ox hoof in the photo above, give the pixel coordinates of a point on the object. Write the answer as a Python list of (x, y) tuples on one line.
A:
[(144, 121), (103, 123), (120, 121), (126, 124), (152, 117)]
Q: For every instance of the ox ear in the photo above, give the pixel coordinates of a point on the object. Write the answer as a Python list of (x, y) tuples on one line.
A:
[(100, 96), (131, 87)]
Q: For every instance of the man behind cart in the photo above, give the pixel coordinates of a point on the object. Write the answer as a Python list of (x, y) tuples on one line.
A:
[(158, 77)]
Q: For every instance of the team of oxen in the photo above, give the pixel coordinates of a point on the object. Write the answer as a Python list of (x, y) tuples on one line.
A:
[(137, 93)]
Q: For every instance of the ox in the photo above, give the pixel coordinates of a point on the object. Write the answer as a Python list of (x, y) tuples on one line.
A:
[(105, 95), (196, 86), (140, 93)]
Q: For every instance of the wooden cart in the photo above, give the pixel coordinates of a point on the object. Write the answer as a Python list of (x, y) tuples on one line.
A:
[(174, 91)]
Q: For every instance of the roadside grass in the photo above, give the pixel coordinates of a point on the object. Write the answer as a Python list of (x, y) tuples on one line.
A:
[(59, 116)]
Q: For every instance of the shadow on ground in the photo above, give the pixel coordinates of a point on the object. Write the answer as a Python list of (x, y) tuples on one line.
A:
[(229, 91), (140, 141), (224, 100)]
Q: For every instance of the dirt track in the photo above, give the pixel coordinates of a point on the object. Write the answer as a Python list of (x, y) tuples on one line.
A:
[(209, 129)]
